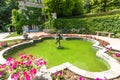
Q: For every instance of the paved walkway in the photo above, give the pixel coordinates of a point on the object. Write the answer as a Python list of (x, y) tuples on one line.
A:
[(31, 35), (3, 35), (114, 42), (111, 73)]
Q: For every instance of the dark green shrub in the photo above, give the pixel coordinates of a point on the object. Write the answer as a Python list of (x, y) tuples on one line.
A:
[(88, 25)]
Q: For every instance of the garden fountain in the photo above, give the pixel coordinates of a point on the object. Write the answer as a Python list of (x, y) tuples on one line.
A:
[(58, 38)]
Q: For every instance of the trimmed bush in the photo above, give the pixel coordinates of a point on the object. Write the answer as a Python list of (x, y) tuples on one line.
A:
[(89, 25)]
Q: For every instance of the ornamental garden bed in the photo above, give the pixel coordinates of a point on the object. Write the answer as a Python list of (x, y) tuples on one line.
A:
[(5, 44), (113, 53), (69, 75), (67, 72)]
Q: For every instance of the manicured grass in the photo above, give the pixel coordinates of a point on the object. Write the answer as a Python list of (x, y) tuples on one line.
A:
[(13, 35), (78, 52)]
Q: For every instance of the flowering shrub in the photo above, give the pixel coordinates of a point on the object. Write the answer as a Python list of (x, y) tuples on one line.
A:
[(109, 50), (104, 43), (68, 75), (118, 54), (3, 44), (58, 75), (24, 68)]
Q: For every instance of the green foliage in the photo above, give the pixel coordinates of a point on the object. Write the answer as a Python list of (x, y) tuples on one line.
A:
[(63, 8), (99, 5), (78, 7), (13, 35), (112, 12), (33, 16), (104, 5), (29, 16), (9, 25), (90, 25), (18, 20), (6, 7)]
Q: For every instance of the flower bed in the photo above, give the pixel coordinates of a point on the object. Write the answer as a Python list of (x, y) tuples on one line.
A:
[(67, 75), (113, 53), (3, 45), (24, 68), (66, 72), (9, 43), (102, 42)]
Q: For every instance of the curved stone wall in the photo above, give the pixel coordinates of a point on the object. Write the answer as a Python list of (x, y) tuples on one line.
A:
[(113, 72)]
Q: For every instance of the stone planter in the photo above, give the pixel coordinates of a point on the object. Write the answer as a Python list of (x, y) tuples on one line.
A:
[(25, 36)]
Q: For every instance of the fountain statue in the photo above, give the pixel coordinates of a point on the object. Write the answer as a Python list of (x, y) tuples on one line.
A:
[(58, 38)]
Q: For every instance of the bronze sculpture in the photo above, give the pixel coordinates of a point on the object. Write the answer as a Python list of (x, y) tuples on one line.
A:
[(58, 38)]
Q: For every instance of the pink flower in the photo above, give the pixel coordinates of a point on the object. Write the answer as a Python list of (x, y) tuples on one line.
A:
[(24, 56), (81, 78), (21, 69), (27, 76), (44, 62), (3, 65), (105, 78), (55, 74), (31, 56), (31, 71), (25, 73), (98, 79), (21, 56), (18, 63), (9, 59), (61, 73), (34, 71), (15, 76), (29, 62), (1, 74), (117, 54), (12, 76), (1, 45)]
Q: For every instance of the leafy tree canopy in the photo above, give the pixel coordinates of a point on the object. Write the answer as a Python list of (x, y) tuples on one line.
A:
[(63, 8), (6, 7)]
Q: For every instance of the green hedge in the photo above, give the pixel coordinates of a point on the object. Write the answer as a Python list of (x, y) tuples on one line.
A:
[(113, 12), (88, 25)]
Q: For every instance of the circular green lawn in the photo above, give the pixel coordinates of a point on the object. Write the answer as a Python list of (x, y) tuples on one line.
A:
[(78, 52)]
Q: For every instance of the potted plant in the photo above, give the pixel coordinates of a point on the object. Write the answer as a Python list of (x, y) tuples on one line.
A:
[(25, 35)]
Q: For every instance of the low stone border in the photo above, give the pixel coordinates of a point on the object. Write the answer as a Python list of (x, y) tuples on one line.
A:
[(113, 72)]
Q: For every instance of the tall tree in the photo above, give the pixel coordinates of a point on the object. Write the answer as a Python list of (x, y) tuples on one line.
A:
[(30, 16), (6, 7), (78, 7), (63, 8), (2, 12), (33, 16), (18, 20), (87, 6)]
